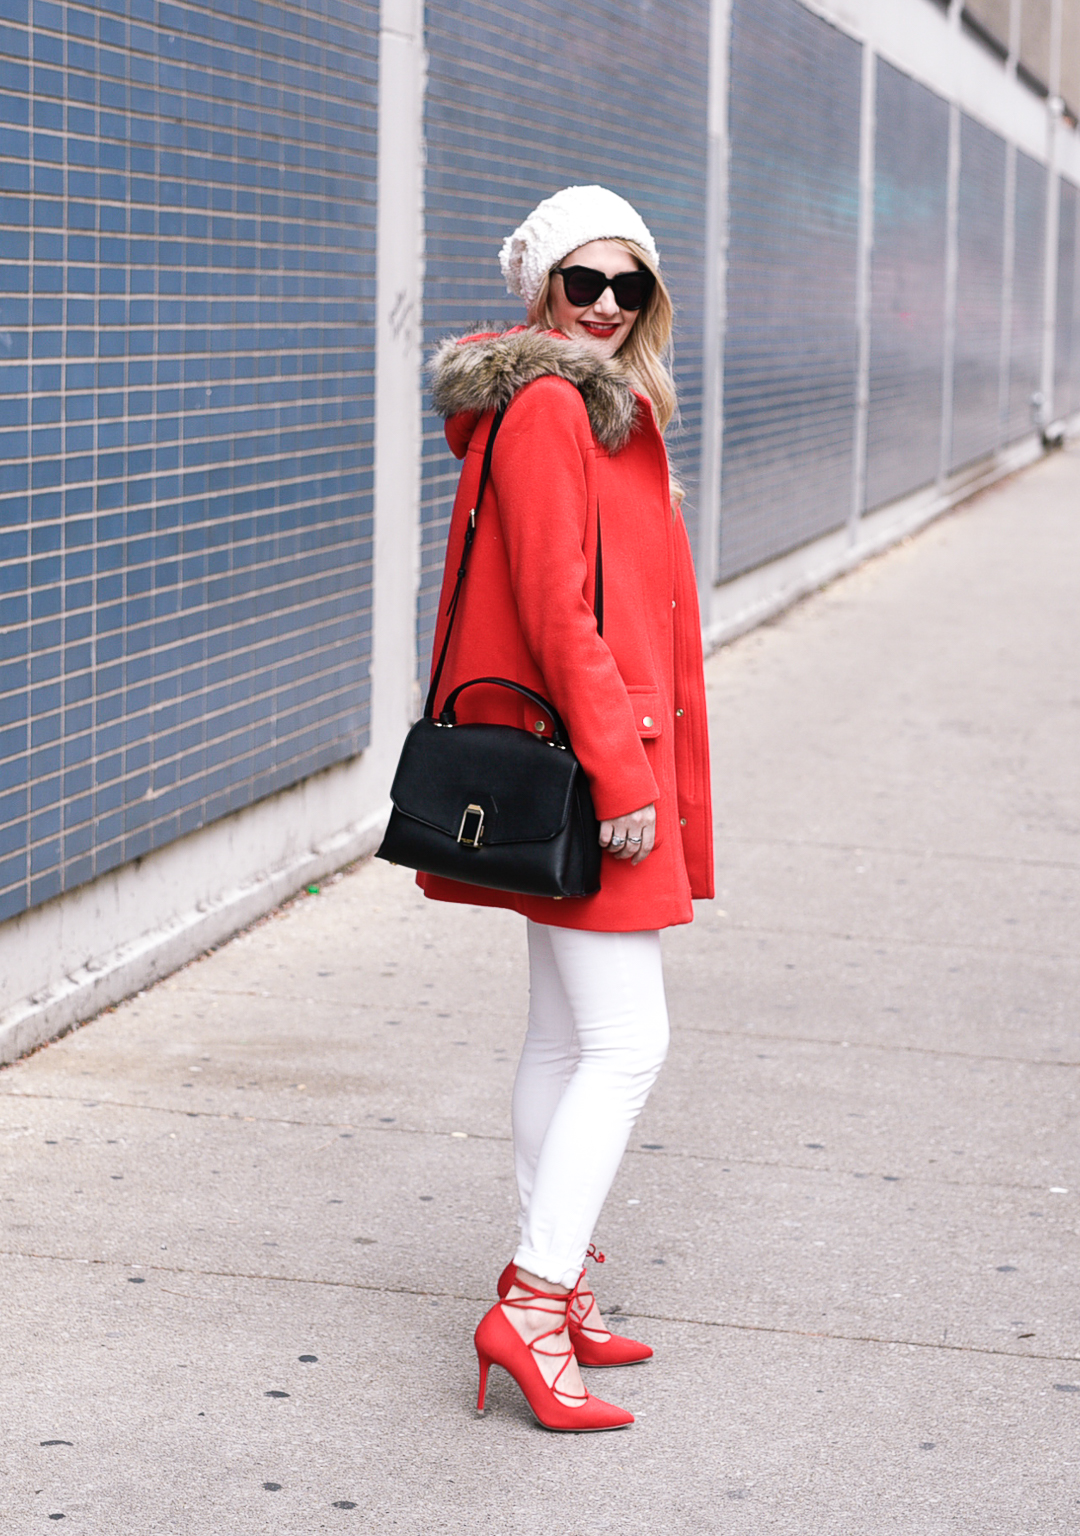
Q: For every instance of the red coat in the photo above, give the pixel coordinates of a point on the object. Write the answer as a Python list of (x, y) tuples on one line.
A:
[(633, 700)]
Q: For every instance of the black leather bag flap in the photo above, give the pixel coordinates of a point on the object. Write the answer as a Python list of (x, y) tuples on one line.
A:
[(522, 783)]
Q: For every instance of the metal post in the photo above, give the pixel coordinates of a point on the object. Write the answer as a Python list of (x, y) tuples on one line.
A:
[(1047, 409), (398, 385), (863, 294), (715, 307), (1008, 268), (948, 372)]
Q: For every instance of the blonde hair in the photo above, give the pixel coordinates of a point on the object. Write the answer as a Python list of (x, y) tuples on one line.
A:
[(646, 352)]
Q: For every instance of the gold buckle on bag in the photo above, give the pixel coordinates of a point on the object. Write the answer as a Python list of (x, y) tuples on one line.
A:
[(470, 835)]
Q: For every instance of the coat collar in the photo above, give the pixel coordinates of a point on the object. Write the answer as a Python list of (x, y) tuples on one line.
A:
[(475, 374)]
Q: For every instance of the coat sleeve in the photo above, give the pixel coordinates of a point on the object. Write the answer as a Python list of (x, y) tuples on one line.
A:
[(541, 485)]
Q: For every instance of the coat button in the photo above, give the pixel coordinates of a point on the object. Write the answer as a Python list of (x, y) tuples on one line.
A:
[(647, 722), (682, 821), (680, 712), (538, 725)]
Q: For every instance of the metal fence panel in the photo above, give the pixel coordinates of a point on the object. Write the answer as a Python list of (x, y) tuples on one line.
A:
[(790, 348), (1067, 326), (518, 107), (1026, 344), (908, 287), (185, 486), (980, 240)]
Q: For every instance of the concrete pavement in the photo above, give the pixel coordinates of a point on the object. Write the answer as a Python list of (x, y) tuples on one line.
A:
[(252, 1215)]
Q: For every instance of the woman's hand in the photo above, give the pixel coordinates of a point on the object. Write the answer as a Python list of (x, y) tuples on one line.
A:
[(630, 837)]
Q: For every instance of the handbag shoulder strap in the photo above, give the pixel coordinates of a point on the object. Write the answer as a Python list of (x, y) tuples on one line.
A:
[(598, 583), (470, 535)]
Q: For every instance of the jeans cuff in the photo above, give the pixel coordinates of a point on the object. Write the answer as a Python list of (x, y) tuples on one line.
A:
[(549, 1266)]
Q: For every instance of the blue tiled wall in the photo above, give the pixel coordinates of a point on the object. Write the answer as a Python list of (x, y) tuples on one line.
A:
[(186, 357), (790, 347), (524, 99)]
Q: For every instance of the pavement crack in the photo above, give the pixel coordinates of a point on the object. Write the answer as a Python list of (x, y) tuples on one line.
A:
[(781, 1330), (234, 1117), (231, 1117), (331, 1001), (235, 1274), (942, 945), (871, 849), (871, 1173), (846, 1338), (874, 1045)]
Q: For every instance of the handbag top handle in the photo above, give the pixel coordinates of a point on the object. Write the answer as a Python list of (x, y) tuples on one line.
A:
[(470, 535)]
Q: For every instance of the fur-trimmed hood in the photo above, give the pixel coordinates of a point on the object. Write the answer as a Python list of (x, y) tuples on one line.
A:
[(482, 373)]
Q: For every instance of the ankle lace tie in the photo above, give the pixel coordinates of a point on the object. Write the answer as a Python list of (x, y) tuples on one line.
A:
[(561, 1311), (584, 1300)]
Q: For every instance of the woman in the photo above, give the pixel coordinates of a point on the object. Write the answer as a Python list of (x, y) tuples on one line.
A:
[(579, 477)]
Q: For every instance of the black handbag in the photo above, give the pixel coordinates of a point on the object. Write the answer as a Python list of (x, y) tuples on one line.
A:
[(494, 805)]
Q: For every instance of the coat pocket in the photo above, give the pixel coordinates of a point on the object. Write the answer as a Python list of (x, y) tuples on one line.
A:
[(645, 702)]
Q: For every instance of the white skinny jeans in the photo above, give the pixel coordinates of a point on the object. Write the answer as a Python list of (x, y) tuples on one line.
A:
[(597, 1038)]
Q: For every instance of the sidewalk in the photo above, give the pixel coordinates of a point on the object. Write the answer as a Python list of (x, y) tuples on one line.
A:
[(252, 1216)]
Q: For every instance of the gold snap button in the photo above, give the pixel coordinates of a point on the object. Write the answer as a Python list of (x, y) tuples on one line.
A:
[(680, 712), (647, 722), (538, 725), (682, 821)]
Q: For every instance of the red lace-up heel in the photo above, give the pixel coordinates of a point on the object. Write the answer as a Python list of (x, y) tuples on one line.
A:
[(590, 1349), (499, 1343)]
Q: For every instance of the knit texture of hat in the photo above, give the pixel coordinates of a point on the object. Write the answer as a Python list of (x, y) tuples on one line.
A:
[(560, 224)]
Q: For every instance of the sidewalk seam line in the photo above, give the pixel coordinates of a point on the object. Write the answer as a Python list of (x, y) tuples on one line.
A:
[(873, 1045), (910, 943), (654, 1317), (906, 853), (404, 1130)]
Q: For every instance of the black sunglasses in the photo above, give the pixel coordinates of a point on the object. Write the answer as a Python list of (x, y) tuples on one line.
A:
[(584, 285)]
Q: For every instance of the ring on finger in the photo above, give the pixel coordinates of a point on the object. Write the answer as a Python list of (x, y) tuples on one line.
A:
[(633, 839)]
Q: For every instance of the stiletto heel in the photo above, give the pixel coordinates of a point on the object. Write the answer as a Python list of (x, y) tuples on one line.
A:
[(485, 1366), (499, 1343), (616, 1349)]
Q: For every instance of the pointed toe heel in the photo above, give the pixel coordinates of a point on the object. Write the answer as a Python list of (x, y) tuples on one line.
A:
[(499, 1343)]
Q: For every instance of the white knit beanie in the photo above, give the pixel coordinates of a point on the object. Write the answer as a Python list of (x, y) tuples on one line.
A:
[(560, 224)]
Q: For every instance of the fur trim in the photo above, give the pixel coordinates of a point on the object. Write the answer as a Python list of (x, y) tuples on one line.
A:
[(484, 373)]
